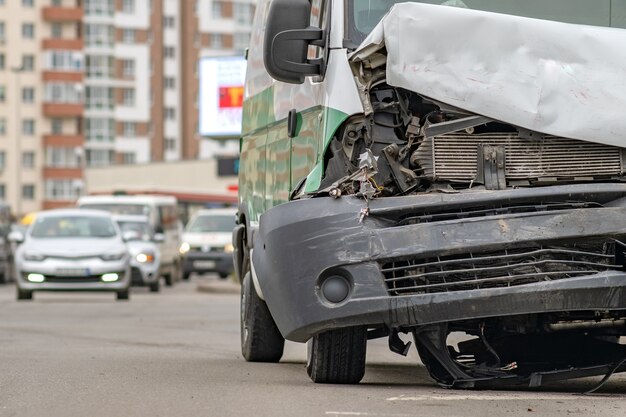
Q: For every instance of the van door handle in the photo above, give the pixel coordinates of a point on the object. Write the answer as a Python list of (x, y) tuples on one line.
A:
[(292, 123)]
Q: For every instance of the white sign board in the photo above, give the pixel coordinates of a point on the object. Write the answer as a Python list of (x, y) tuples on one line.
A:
[(221, 95)]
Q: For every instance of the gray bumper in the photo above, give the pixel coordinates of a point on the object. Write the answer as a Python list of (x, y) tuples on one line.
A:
[(301, 242)]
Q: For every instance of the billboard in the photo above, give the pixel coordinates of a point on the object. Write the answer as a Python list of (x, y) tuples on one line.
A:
[(221, 95)]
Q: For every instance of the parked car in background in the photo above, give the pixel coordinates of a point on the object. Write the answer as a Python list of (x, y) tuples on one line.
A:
[(71, 250), (145, 256), (162, 213), (6, 255), (207, 243)]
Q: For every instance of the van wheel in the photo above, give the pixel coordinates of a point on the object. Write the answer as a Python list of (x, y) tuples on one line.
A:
[(337, 356), (123, 295), (155, 286), (186, 275), (24, 295), (261, 340)]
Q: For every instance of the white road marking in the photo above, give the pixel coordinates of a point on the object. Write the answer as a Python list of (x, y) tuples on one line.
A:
[(494, 397), (357, 413)]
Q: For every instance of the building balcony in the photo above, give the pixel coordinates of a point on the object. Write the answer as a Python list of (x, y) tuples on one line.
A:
[(63, 141), (57, 204), (50, 173), (65, 44), (62, 14), (63, 109), (63, 76)]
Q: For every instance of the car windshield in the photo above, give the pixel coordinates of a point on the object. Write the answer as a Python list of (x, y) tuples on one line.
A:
[(120, 209), (143, 229), (212, 223), (364, 15), (73, 227)]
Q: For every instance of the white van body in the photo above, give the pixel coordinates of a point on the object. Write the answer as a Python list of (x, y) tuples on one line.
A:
[(162, 211), (398, 159)]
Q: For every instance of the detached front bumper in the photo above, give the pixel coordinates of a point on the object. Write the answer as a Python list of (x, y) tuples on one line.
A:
[(301, 243)]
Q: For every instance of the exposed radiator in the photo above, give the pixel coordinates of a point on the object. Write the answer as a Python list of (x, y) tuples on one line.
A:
[(453, 157)]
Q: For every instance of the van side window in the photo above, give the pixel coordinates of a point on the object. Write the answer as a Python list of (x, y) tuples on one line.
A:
[(168, 217)]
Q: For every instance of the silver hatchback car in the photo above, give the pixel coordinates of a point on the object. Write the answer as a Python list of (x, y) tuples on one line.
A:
[(72, 250)]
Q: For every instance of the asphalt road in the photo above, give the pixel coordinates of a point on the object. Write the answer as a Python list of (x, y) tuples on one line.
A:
[(177, 354)]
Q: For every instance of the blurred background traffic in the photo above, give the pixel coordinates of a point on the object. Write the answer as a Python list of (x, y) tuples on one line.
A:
[(135, 103)]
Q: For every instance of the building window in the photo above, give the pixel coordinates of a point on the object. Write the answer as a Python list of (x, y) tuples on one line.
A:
[(62, 157), (241, 41), (128, 36), (218, 9), (28, 127), (28, 160), (243, 13), (169, 21), (128, 158), (99, 34), (3, 94), (57, 3), (64, 60), (169, 82), (56, 30), (3, 126), (28, 31), (3, 161), (99, 97), (217, 40), (169, 52), (128, 6), (99, 157), (57, 126), (170, 144), (100, 129), (63, 93), (2, 32), (28, 63), (28, 3), (28, 95), (128, 97), (28, 192), (63, 189), (99, 66), (2, 62), (129, 129), (128, 67), (170, 113), (2, 189)]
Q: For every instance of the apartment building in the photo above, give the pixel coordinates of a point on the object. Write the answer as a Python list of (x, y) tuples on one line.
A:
[(101, 83), (41, 103)]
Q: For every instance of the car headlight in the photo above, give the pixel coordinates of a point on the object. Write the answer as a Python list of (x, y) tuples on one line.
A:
[(113, 256), (145, 257), (34, 257), (229, 248), (184, 248)]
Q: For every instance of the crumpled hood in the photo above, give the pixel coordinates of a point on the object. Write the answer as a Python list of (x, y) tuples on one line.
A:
[(555, 78), (208, 239), (78, 248)]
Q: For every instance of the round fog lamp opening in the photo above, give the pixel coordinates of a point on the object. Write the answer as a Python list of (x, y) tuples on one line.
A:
[(335, 289), (110, 277)]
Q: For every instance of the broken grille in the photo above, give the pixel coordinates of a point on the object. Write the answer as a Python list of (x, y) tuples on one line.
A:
[(453, 157), (505, 268)]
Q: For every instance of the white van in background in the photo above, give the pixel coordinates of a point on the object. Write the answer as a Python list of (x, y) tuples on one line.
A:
[(162, 211)]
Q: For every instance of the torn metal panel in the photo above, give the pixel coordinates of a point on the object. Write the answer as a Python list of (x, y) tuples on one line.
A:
[(556, 78)]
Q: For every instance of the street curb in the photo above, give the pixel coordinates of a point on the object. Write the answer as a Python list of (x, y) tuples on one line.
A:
[(220, 287)]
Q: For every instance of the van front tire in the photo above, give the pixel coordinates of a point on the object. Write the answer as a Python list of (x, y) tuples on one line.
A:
[(337, 356), (261, 340)]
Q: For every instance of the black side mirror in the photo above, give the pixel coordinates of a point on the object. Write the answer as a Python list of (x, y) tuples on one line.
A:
[(287, 39)]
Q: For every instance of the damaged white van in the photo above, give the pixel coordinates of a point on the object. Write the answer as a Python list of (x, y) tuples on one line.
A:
[(414, 169)]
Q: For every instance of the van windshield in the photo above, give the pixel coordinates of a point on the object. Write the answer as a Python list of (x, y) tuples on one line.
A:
[(120, 209), (212, 223), (364, 15)]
